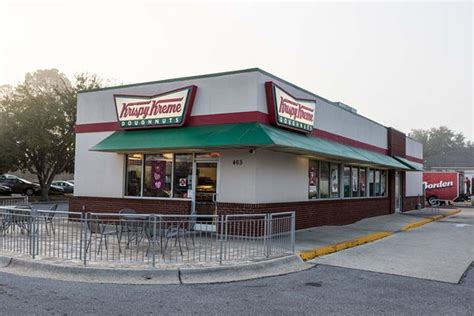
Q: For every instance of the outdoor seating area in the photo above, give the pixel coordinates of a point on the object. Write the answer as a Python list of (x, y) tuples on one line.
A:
[(144, 239)]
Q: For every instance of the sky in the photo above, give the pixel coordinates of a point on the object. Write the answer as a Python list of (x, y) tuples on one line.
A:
[(404, 64)]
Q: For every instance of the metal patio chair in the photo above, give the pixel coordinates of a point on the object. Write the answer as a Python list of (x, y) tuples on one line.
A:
[(49, 219), (131, 225), (102, 228), (21, 217)]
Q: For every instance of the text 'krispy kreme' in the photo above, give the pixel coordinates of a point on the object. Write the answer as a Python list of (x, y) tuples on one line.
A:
[(142, 110), (295, 110), (289, 112), (167, 109)]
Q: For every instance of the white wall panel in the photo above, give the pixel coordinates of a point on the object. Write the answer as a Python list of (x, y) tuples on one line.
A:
[(97, 173), (281, 177), (413, 148), (331, 118), (414, 183), (237, 182), (215, 95)]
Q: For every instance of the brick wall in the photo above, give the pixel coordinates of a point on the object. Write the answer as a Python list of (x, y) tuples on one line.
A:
[(308, 213), (409, 203), (316, 213), (396, 143), (104, 205)]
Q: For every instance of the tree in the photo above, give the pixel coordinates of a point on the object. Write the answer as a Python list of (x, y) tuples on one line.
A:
[(40, 116), (439, 140), (7, 161)]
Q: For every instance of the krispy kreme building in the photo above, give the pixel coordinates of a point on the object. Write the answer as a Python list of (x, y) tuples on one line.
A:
[(239, 142)]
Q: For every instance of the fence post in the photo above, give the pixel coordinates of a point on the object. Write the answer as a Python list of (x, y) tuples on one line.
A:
[(32, 233), (268, 233), (84, 237), (293, 224), (222, 237), (153, 256)]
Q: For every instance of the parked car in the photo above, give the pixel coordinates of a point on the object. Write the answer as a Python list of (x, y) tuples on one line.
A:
[(22, 186), (66, 185), (4, 190), (70, 181)]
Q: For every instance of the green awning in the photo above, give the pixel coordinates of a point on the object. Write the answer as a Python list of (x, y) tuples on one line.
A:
[(408, 163), (238, 135)]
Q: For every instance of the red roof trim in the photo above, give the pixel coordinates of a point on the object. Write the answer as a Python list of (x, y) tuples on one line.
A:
[(414, 159)]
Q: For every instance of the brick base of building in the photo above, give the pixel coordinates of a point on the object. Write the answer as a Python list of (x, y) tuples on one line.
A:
[(316, 213), (308, 213), (409, 203), (114, 205)]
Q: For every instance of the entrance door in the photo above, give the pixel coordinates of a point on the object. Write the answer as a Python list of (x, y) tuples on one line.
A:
[(398, 195), (205, 188)]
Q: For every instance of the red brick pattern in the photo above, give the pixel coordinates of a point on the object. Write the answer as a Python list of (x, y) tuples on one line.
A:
[(396, 143), (112, 205), (316, 213), (409, 203), (308, 213)]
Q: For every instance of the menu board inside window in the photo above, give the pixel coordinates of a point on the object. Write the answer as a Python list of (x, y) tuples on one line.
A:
[(334, 180), (313, 179), (324, 180)]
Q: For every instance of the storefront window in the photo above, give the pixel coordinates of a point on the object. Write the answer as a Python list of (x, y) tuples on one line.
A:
[(371, 182), (134, 175), (377, 182), (383, 182), (355, 181), (347, 181), (362, 175), (183, 174), (313, 179), (324, 180), (157, 180), (334, 180)]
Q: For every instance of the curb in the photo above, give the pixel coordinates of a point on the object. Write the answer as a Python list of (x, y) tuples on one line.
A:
[(218, 274), (428, 220), (311, 254), (317, 252)]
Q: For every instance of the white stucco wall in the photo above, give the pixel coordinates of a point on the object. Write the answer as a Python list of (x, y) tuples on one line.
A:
[(281, 177), (331, 118), (414, 183), (215, 95), (413, 148), (237, 183), (96, 173)]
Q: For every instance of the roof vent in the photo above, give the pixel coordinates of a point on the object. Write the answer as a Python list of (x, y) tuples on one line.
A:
[(346, 107)]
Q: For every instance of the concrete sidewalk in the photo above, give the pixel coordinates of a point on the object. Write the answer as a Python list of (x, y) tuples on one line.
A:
[(323, 240)]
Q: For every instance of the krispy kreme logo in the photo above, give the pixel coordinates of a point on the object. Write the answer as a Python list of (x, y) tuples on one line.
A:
[(289, 112), (163, 110)]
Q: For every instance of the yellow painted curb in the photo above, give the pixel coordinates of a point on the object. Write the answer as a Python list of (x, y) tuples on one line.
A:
[(311, 254), (452, 213), (429, 220), (417, 224)]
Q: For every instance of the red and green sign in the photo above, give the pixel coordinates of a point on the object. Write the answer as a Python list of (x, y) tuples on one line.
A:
[(169, 109), (289, 112)]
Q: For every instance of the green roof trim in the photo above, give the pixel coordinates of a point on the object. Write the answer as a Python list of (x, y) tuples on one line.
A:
[(408, 163), (238, 135)]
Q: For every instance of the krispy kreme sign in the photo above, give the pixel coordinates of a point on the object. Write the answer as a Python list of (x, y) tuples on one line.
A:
[(289, 112), (163, 110)]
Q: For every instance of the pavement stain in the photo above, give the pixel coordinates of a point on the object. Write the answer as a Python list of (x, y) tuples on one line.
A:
[(313, 284)]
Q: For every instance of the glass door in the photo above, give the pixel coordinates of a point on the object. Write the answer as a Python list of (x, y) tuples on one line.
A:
[(205, 187), (398, 196)]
